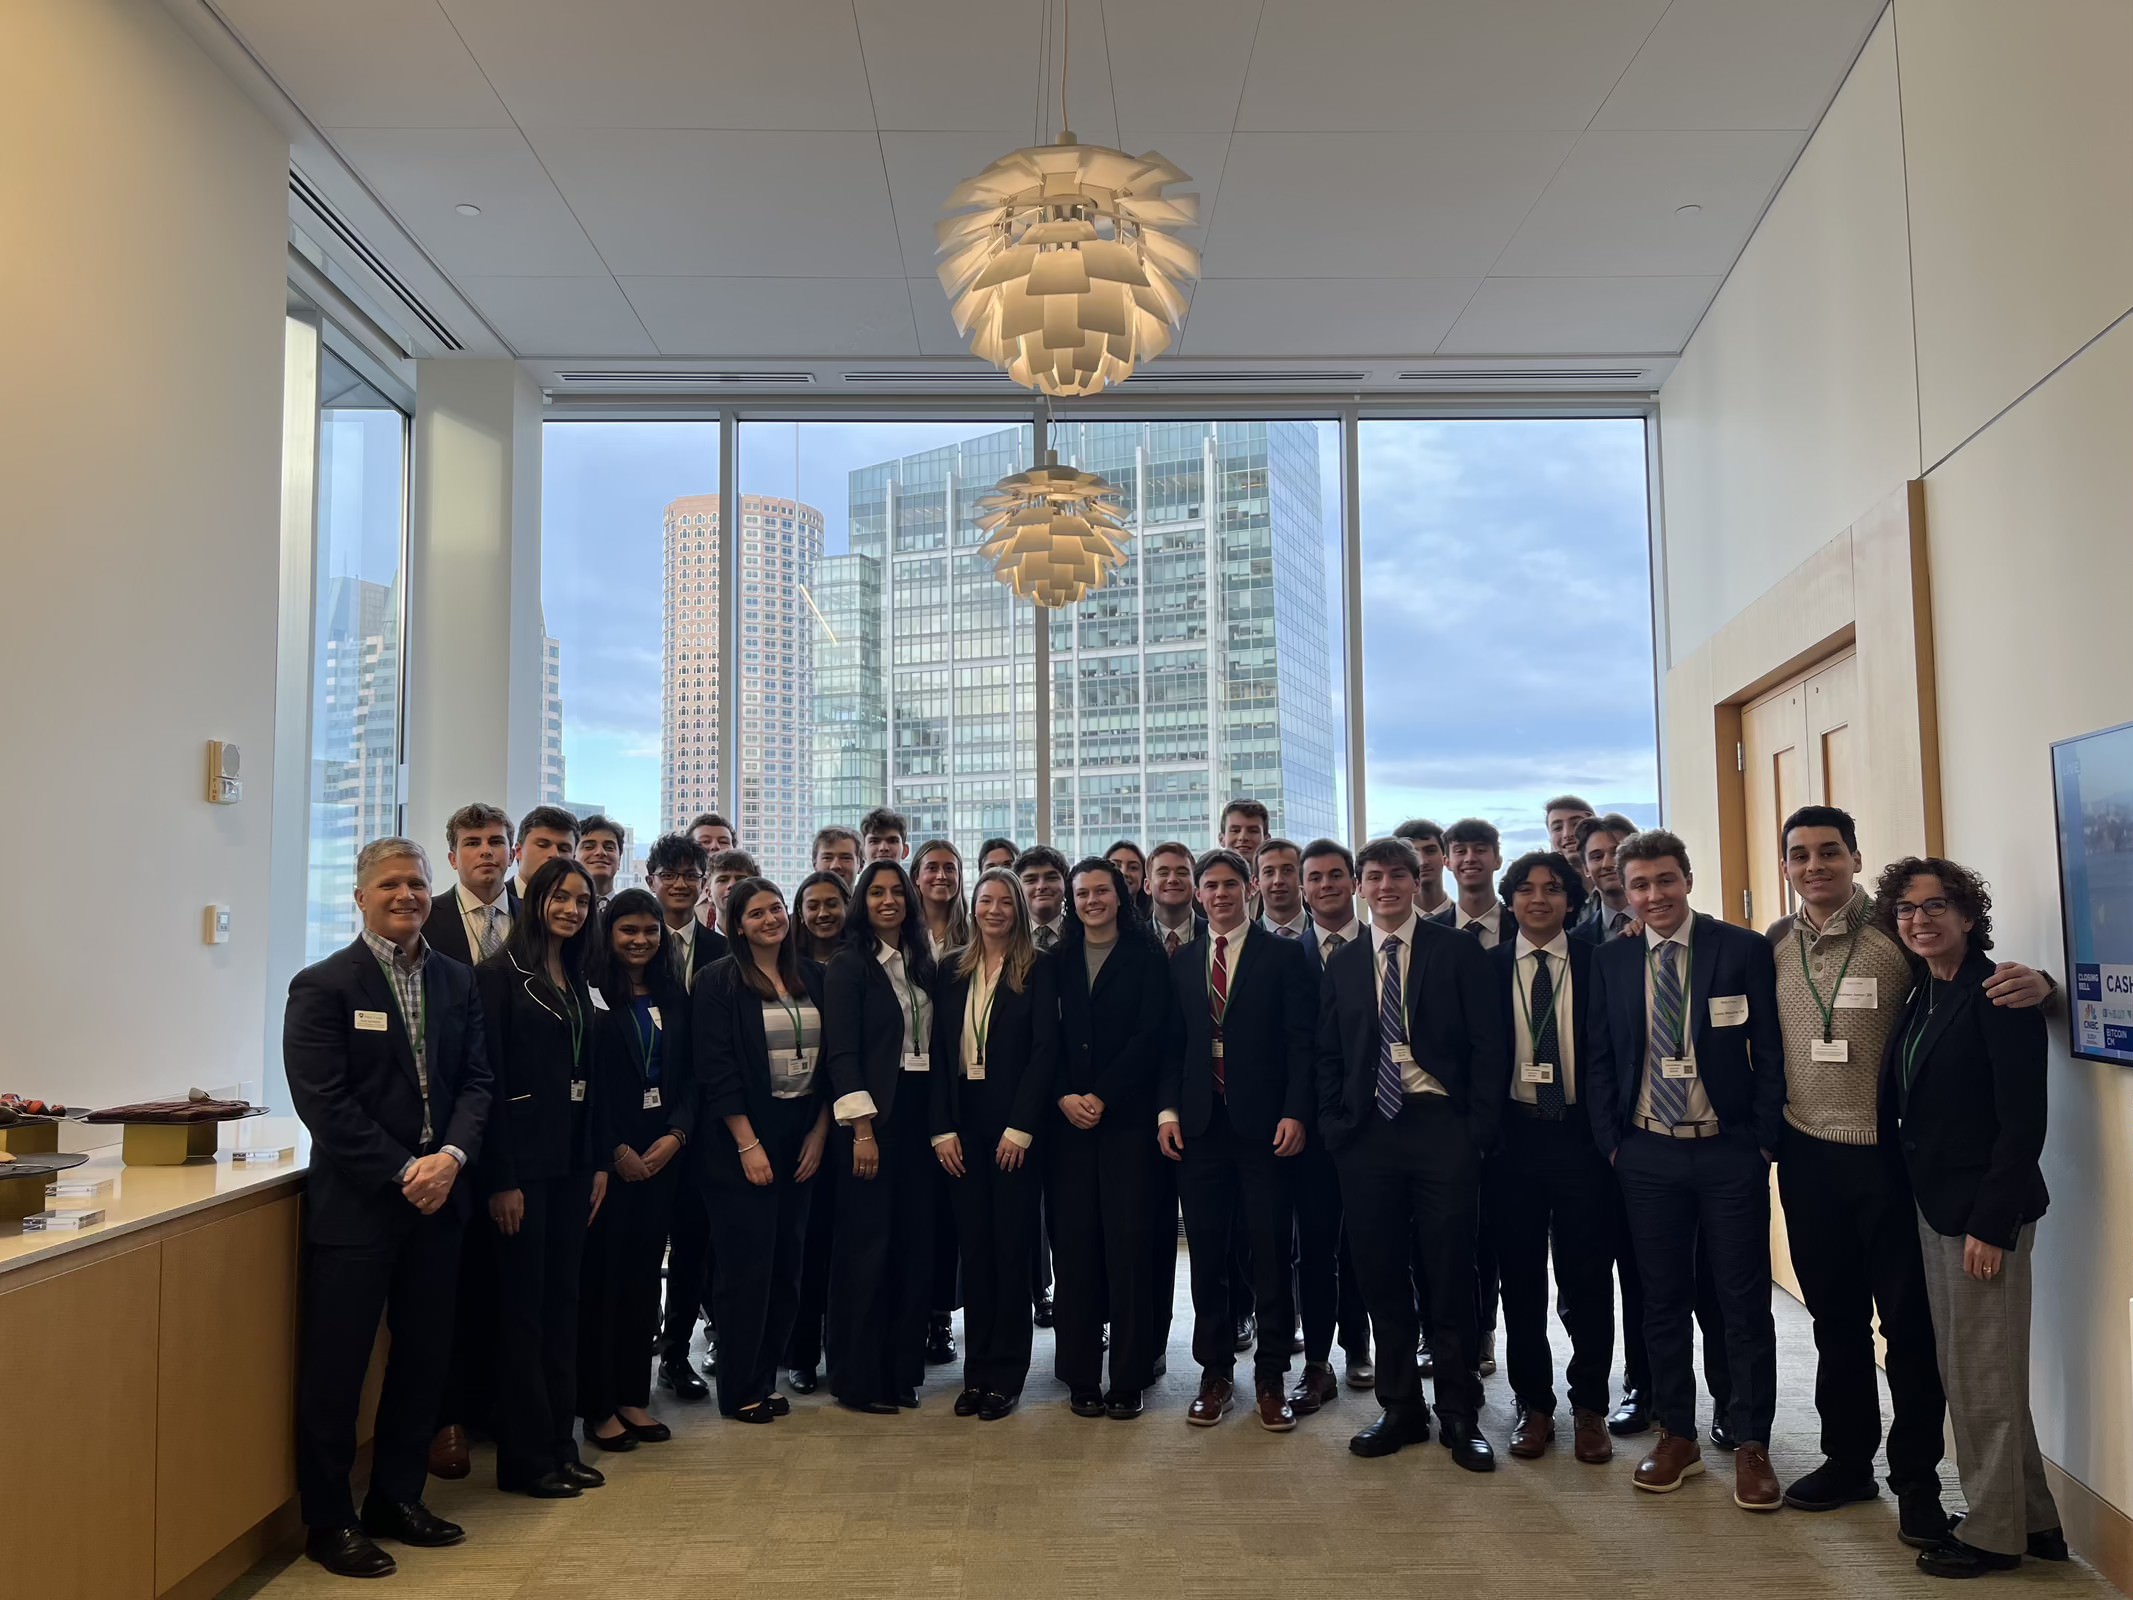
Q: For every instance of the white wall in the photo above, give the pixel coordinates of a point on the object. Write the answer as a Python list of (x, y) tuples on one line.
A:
[(141, 287), (2008, 246)]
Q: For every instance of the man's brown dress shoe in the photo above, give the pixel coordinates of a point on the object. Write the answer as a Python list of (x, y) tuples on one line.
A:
[(1593, 1445), (448, 1453), (1212, 1403), (1274, 1413), (1318, 1387), (1755, 1485), (1673, 1459), (1534, 1433)]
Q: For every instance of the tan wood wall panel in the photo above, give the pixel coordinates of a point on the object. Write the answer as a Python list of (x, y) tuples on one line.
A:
[(229, 1311), (84, 1345)]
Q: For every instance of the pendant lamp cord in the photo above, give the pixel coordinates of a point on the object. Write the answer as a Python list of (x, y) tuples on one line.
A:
[(1066, 56)]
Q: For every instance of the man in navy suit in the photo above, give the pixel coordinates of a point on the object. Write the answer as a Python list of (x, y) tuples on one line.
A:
[(1687, 1081), (384, 1051), (1330, 1295)]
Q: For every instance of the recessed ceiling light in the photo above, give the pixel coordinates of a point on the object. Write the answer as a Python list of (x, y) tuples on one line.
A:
[(1688, 210), (466, 210)]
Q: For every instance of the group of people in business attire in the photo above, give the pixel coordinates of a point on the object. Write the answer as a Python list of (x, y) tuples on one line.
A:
[(1383, 1110)]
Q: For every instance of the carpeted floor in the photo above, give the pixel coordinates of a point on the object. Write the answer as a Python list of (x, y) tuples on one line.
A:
[(826, 1504)]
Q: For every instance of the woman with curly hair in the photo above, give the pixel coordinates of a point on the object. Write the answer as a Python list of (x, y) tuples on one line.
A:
[(1963, 1086)]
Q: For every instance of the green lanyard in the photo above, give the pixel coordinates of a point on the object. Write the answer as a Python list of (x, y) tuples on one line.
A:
[(913, 1000), (792, 1010), (1680, 1017), (647, 1036), (1525, 1003), (1828, 1010), (981, 1018), (1917, 1037)]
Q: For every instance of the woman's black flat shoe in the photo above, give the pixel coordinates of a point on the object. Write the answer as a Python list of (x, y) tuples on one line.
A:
[(970, 1402), (779, 1406), (650, 1432), (998, 1406), (869, 1408), (759, 1412), (1088, 1403), (1124, 1405), (907, 1398), (615, 1444)]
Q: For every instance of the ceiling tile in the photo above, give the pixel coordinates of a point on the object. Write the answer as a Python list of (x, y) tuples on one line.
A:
[(1612, 211), (1201, 156), (382, 64), (1361, 205), (1323, 316), (936, 329), (982, 64), (795, 317), (560, 316), (1440, 64), (1740, 64), (924, 169), (1178, 63), (670, 63), (423, 173), (701, 203), (1579, 316)]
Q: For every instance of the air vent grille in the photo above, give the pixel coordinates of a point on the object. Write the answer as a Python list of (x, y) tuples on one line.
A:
[(692, 380), (1525, 375), (340, 227), (1247, 378), (916, 377)]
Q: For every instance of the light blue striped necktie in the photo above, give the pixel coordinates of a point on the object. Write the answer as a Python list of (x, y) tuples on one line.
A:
[(1670, 1096), (1392, 1030)]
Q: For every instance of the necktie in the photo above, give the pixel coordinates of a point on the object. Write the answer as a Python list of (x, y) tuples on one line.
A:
[(1478, 929), (1047, 936), (1286, 932), (1670, 1096), (1171, 941), (1218, 1003), (1333, 942), (1547, 1045), (490, 940), (1392, 1030)]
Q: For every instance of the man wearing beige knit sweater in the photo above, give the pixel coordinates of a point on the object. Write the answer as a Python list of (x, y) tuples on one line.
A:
[(1841, 983)]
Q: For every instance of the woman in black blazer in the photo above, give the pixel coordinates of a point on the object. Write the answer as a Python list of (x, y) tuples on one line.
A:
[(877, 1018), (766, 1120), (1963, 1099), (1099, 1168), (543, 1171), (647, 1091), (995, 1043)]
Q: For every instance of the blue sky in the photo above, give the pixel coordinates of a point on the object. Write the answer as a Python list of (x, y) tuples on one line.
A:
[(1507, 617)]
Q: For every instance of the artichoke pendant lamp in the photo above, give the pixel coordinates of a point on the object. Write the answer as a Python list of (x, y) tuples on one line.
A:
[(1063, 264), (1052, 532)]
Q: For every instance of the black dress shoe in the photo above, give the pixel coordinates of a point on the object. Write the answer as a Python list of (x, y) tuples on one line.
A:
[(869, 1408), (970, 1402), (614, 1443), (2050, 1545), (997, 1406), (1830, 1486), (1425, 1361), (1394, 1430), (907, 1399), (675, 1373), (1951, 1558), (410, 1522), (547, 1486), (803, 1380), (584, 1477), (940, 1342), (1921, 1520), (1247, 1331), (1123, 1405), (345, 1553), (649, 1432), (779, 1406), (1086, 1403), (760, 1412), (1041, 1312), (1469, 1449), (1721, 1438), (1632, 1416)]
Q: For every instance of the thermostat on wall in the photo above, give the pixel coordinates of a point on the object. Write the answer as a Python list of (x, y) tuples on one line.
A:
[(223, 761)]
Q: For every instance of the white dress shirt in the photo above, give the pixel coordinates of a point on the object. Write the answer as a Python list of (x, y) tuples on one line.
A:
[(1413, 1080), (1323, 937), (911, 1001), (1557, 952), (1699, 1106), (1492, 924), (1290, 930), (473, 916), (1230, 953), (1164, 930)]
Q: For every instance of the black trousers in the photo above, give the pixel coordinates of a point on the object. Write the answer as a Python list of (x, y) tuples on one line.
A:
[(1162, 1254), (759, 1246), (1411, 1189), (406, 1276), (1687, 1196), (688, 1260), (470, 1373), (618, 1293), (1242, 1301), (1550, 1187), (1316, 1191), (1097, 1188), (803, 1346), (947, 1251), (880, 1264), (1229, 1185), (996, 1215), (1636, 1357), (1040, 1255), (1352, 1317), (536, 1317), (1854, 1235)]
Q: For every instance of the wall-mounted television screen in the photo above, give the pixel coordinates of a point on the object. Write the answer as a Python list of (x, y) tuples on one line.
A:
[(2092, 785)]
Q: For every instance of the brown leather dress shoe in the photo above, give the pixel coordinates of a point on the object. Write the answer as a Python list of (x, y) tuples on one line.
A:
[(1318, 1387), (1274, 1413), (448, 1453), (1755, 1485), (1592, 1446), (1213, 1402), (1673, 1459), (1533, 1434)]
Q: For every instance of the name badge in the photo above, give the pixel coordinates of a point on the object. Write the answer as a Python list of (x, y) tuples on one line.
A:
[(1218, 1049), (1835, 1051), (599, 1000), (918, 1063), (1729, 1010), (651, 1099), (1403, 1055), (577, 1090), (1677, 1067), (1536, 1072), (653, 1013), (790, 1075), (975, 1073), (1859, 994), (370, 1022)]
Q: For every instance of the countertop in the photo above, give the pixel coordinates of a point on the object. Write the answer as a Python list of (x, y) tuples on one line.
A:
[(142, 1197)]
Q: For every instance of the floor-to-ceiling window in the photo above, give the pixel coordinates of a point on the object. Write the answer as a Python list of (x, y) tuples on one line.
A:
[(1507, 623)]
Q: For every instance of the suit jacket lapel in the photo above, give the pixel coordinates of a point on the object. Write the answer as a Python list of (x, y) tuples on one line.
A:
[(1953, 998), (1703, 972)]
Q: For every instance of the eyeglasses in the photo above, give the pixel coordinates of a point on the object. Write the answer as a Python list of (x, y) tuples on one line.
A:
[(680, 877), (1931, 910)]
